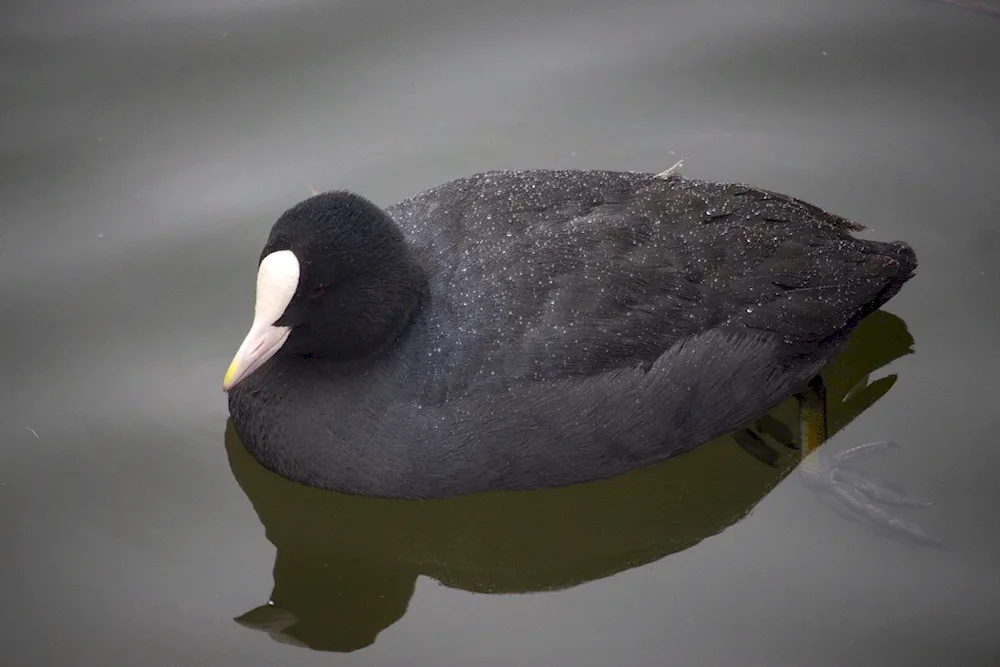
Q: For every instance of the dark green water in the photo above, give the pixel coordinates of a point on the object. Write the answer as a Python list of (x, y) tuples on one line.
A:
[(145, 149)]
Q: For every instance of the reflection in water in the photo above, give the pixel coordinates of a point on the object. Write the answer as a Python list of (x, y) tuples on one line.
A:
[(346, 566), (880, 339)]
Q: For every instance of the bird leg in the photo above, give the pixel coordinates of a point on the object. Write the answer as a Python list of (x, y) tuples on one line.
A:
[(812, 427), (812, 416)]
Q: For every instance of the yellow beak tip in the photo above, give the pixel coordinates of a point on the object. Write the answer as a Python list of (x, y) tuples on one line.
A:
[(227, 381)]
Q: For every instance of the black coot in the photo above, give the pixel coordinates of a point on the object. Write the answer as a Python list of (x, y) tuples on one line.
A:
[(516, 330)]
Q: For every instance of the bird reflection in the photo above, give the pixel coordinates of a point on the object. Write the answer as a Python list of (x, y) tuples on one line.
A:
[(856, 494), (346, 566)]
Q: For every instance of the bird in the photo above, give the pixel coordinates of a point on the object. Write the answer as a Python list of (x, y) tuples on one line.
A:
[(524, 329)]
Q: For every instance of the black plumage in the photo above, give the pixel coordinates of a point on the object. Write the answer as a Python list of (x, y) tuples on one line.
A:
[(515, 330)]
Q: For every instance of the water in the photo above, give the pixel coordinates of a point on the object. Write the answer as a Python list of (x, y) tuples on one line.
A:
[(146, 149)]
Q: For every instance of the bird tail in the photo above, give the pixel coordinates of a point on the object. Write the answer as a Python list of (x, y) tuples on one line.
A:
[(900, 265)]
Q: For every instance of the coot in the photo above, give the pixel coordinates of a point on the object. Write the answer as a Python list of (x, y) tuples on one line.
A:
[(527, 329)]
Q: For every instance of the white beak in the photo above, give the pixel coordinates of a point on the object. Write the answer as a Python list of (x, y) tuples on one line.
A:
[(259, 346), (277, 280)]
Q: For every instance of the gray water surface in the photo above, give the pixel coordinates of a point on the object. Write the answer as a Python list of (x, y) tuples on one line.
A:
[(145, 149)]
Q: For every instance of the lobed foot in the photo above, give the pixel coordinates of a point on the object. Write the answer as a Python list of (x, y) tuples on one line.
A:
[(856, 492), (838, 476)]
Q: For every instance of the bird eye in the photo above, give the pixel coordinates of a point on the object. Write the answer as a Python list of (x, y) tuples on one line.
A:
[(317, 291)]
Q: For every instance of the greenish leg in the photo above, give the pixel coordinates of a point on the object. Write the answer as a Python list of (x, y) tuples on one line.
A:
[(812, 427), (754, 445), (812, 416)]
